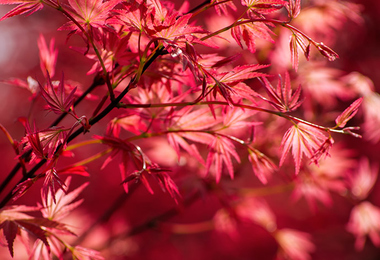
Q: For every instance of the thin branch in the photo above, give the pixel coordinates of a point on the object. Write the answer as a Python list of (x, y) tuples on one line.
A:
[(114, 104), (96, 82)]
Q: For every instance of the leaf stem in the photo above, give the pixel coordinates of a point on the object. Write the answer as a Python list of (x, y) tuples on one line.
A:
[(277, 113)]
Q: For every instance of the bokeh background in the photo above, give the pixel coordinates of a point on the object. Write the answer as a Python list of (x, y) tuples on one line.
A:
[(358, 48)]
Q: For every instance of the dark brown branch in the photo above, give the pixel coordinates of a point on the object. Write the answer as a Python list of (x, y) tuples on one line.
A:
[(92, 121)]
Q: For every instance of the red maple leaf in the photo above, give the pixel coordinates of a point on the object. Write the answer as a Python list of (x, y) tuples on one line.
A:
[(185, 124), (115, 51), (52, 184), (174, 28), (282, 97), (348, 113), (57, 100), (221, 6), (236, 118), (223, 83), (133, 16), (259, 7), (43, 143), (24, 6), (33, 139), (13, 221), (130, 158), (131, 123), (30, 84), (262, 166), (82, 253), (58, 205), (297, 42), (161, 175), (89, 13), (221, 150), (241, 73), (10, 229), (294, 8), (302, 139), (249, 31), (48, 56)]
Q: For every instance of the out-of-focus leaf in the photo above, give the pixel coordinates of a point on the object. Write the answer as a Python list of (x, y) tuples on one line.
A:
[(24, 6), (348, 113), (248, 32)]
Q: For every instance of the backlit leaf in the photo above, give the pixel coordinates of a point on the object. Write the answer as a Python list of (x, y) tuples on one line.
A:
[(248, 32), (24, 6), (348, 113), (303, 140)]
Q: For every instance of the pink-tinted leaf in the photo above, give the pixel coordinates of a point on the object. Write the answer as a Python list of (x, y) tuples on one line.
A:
[(130, 158), (175, 28), (294, 52), (134, 17), (59, 205), (165, 181), (348, 113), (187, 122), (199, 119), (221, 150), (46, 223), (248, 32), (302, 139), (22, 188), (81, 253), (33, 229), (262, 166), (327, 51), (241, 73), (52, 184), (282, 98), (235, 118), (24, 6), (48, 56), (130, 123), (46, 143), (256, 210), (294, 244), (177, 141), (243, 91), (363, 223), (33, 138), (10, 230), (323, 150), (263, 6), (160, 174), (78, 170), (89, 13), (226, 60), (36, 227), (221, 6), (30, 84), (224, 90), (307, 52), (348, 130), (16, 212), (298, 42), (160, 13), (364, 179), (57, 100), (294, 8)]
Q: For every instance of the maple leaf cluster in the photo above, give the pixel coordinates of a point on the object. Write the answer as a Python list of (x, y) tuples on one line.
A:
[(192, 123)]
